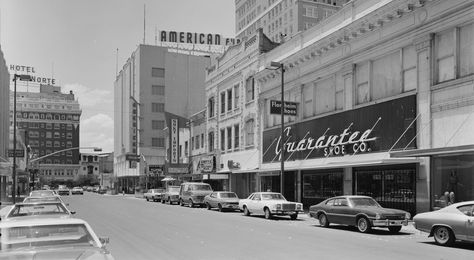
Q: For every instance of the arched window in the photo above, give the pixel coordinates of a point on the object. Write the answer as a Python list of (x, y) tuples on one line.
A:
[(211, 107)]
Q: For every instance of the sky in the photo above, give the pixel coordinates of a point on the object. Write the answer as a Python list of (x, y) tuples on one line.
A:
[(76, 42)]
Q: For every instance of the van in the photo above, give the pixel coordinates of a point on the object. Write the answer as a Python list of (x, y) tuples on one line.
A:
[(193, 193)]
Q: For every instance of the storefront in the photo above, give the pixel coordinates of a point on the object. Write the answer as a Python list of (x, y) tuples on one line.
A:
[(347, 153)]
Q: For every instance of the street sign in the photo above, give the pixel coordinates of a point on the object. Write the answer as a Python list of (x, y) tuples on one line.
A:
[(290, 108), (18, 153)]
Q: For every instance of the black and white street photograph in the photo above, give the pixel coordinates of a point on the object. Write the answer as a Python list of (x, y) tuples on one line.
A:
[(236, 129)]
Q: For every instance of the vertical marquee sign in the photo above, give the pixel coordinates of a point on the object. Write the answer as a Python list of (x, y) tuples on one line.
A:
[(373, 128), (174, 141)]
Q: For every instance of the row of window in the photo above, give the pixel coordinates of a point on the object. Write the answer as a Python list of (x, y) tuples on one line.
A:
[(158, 142), (36, 143), (157, 107), (47, 126), (197, 142), (43, 106), (47, 116), (55, 135), (227, 102)]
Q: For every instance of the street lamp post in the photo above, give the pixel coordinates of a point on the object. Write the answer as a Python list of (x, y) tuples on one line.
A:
[(15, 78), (275, 66)]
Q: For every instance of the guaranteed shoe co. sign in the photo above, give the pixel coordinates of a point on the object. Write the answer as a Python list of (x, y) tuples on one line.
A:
[(368, 129)]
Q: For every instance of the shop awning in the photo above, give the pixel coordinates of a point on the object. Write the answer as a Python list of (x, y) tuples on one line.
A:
[(215, 176), (433, 151), (340, 162)]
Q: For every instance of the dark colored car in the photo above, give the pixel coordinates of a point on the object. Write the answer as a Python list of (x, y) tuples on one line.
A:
[(360, 211), (223, 200)]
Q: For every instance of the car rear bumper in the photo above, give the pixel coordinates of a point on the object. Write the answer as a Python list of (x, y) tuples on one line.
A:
[(388, 223)]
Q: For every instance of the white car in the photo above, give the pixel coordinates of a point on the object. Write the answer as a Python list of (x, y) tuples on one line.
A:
[(51, 238), (269, 204), (38, 209)]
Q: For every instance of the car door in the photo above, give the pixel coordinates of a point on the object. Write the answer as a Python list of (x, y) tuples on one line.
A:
[(328, 208), (212, 199), (254, 204), (470, 225), (337, 211), (468, 228)]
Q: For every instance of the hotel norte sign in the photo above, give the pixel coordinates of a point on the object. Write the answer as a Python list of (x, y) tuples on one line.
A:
[(29, 70)]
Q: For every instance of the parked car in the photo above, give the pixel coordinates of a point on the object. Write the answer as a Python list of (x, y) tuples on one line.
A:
[(51, 238), (77, 190), (446, 225), (38, 193), (360, 211), (270, 204), (154, 194), (63, 190), (35, 209), (55, 198), (171, 195), (193, 193), (223, 200), (102, 190)]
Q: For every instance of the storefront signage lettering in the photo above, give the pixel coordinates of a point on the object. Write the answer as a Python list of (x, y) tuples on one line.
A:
[(373, 128), (206, 164), (289, 110), (332, 144), (196, 38), (21, 69), (174, 141)]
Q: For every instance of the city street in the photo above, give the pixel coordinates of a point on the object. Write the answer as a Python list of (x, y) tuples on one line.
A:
[(149, 230)]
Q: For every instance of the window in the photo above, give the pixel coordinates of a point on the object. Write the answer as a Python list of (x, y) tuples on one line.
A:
[(250, 89), (158, 72), (197, 142), (211, 141), (454, 53), (68, 144), (229, 99), (57, 135), (158, 142), (308, 110), (236, 136), (192, 142), (409, 68), (158, 90), (157, 107), (362, 83), (222, 102), (68, 127), (249, 130), (69, 135), (57, 126), (186, 148), (236, 96), (49, 144), (223, 139), (386, 76), (229, 138), (325, 96), (157, 124), (211, 104), (202, 140), (57, 144)]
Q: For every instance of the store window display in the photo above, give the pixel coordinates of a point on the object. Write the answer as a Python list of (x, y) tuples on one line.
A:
[(452, 179)]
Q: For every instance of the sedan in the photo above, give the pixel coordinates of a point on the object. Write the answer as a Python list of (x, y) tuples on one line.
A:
[(223, 200), (154, 194), (171, 195), (360, 211), (77, 190), (51, 238), (269, 204), (446, 225), (38, 193), (36, 209)]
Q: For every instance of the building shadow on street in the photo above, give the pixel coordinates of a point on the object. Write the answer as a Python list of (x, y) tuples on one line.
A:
[(457, 245)]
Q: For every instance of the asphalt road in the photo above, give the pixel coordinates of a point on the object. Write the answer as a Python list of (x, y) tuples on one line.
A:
[(149, 230)]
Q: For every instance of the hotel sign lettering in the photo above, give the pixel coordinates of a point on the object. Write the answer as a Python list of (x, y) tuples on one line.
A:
[(21, 69), (174, 141), (368, 129)]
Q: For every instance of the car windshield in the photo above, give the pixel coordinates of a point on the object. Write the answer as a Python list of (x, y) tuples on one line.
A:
[(272, 196), (42, 193), (200, 187), (364, 202), (46, 235), (173, 189), (228, 195), (41, 199), (21, 210)]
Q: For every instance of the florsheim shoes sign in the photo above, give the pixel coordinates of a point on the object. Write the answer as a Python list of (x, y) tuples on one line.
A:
[(368, 129)]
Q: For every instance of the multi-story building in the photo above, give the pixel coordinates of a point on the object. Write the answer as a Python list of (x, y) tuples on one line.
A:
[(281, 19), (233, 115), (4, 123), (49, 121), (152, 81), (384, 93)]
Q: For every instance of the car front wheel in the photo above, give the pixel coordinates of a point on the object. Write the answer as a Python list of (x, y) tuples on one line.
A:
[(443, 236), (363, 225), (246, 211), (146, 199), (294, 216), (208, 206), (323, 220), (268, 214), (181, 202), (191, 203)]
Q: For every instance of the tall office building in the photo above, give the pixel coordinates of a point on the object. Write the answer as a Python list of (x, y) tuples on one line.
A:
[(49, 121), (4, 123), (281, 17), (152, 81)]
